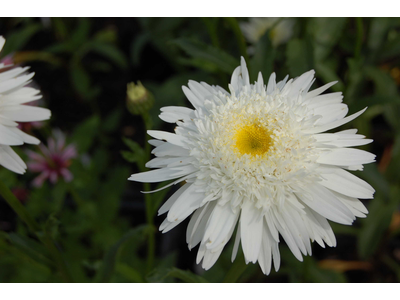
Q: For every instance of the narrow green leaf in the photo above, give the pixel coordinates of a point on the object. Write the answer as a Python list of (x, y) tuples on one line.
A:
[(161, 275), (326, 33), (377, 33), (224, 61), (299, 57), (85, 133), (113, 120), (263, 58), (30, 248), (81, 81), (329, 75), (112, 53), (379, 217), (110, 258), (129, 273), (17, 39)]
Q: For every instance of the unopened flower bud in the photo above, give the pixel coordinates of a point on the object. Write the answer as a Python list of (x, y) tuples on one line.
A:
[(139, 100)]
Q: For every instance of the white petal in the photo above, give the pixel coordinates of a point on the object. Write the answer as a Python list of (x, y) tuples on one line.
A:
[(271, 84), (26, 113), (172, 138), (326, 204), (185, 204), (10, 160), (222, 221), (346, 157), (322, 128), (196, 102), (172, 114), (167, 149), (318, 91), (171, 200), (301, 83), (197, 225), (251, 223), (25, 137), (162, 174), (347, 184), (9, 137), (9, 85)]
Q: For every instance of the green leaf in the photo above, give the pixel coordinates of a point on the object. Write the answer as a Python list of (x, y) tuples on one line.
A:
[(85, 133), (299, 57), (81, 34), (377, 33), (30, 248), (27, 56), (80, 80), (112, 53), (326, 33), (16, 40), (314, 273), (128, 272), (379, 217), (372, 175), (263, 58), (110, 258), (112, 122), (52, 226), (137, 155), (137, 47), (329, 75), (355, 80), (224, 61), (383, 82), (159, 275)]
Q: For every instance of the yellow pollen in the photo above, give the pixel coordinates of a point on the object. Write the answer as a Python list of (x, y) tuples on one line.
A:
[(252, 139)]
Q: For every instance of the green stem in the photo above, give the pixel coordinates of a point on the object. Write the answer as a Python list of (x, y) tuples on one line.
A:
[(18, 208), (149, 203), (211, 25), (237, 269), (239, 37), (35, 228), (75, 196), (360, 32)]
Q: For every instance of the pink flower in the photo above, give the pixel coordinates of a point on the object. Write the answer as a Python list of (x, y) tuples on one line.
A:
[(54, 160)]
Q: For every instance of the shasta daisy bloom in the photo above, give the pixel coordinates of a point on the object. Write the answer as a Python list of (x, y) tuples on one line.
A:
[(54, 161), (257, 158), (13, 96)]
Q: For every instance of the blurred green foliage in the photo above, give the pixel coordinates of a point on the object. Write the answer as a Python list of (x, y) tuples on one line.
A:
[(98, 220)]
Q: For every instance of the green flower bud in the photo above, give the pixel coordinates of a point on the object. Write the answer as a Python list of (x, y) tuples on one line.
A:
[(138, 100)]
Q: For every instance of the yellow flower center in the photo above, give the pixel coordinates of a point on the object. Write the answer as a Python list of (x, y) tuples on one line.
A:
[(252, 139)]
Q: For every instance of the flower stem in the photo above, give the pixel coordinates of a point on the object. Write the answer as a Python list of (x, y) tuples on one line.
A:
[(18, 208), (237, 269), (33, 226), (360, 32), (148, 201)]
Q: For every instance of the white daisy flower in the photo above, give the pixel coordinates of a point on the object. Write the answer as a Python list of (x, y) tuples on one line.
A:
[(13, 95), (255, 28), (258, 158)]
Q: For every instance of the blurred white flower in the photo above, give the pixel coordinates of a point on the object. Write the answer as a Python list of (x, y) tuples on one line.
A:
[(13, 96), (257, 159), (257, 27)]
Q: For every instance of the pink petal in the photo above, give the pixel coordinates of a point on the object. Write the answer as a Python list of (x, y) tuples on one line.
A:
[(53, 177), (69, 152), (38, 181), (67, 175), (36, 166)]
